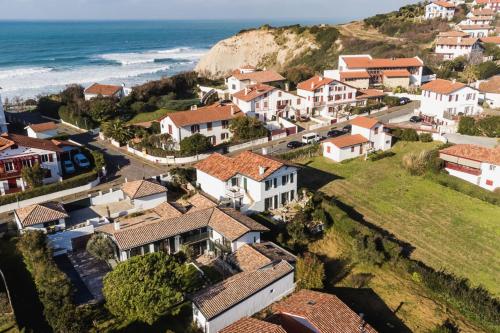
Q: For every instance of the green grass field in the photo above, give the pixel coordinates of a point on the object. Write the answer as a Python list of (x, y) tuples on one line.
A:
[(449, 230), (149, 116)]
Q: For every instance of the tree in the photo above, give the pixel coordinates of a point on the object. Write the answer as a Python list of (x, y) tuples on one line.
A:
[(33, 176), (195, 144), (144, 288), (100, 247), (487, 69), (48, 107), (99, 160), (470, 74), (117, 130), (102, 109), (72, 94), (409, 134), (310, 272), (489, 126), (467, 126), (247, 128)]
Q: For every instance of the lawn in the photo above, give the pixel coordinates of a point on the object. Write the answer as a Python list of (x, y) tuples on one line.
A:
[(149, 116), (447, 229)]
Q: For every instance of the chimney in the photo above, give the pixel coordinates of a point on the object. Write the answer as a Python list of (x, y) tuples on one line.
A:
[(262, 170), (116, 225), (194, 107), (454, 81), (287, 87)]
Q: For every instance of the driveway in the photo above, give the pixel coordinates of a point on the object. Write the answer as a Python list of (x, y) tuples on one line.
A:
[(91, 272), (474, 140)]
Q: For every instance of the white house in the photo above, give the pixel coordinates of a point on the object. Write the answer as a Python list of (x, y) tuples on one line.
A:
[(443, 101), (267, 102), (145, 194), (475, 164), (3, 121), (453, 47), (105, 90), (488, 4), (477, 30), (440, 10), (327, 97), (250, 181), (241, 295), (478, 20), (46, 217), (244, 77), (367, 135), (42, 131), (481, 12), (211, 121), (18, 151), (355, 69), (490, 91)]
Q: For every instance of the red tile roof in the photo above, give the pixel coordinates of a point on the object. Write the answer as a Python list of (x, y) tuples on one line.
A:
[(473, 152), (366, 62), (369, 93), (459, 41), (347, 140), (354, 75), (444, 4), (102, 89), (491, 86), (453, 33), (492, 39), (212, 113), (483, 11), (441, 86), (325, 312), (42, 213), (142, 188), (246, 258), (475, 27), (26, 141), (247, 163), (252, 325), (314, 83), (42, 127), (252, 92), (364, 122), (396, 73), (259, 76)]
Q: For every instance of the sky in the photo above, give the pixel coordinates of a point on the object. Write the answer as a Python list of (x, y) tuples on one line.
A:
[(332, 10)]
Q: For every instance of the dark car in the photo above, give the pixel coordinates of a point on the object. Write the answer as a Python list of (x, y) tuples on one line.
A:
[(415, 119), (294, 144), (404, 100), (334, 133), (347, 128)]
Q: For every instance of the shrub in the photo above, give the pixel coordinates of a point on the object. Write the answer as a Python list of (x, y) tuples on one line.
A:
[(408, 134), (488, 126), (467, 126), (391, 100), (33, 176), (418, 164), (69, 115), (100, 247), (195, 144), (367, 109), (425, 137), (48, 107), (380, 155), (246, 129), (307, 152), (310, 272)]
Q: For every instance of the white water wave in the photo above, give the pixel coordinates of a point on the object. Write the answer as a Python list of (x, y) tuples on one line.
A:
[(133, 58), (14, 73)]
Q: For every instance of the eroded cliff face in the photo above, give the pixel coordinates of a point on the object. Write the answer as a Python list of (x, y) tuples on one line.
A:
[(262, 48)]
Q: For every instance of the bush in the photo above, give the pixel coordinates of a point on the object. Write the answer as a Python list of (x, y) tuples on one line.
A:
[(310, 272), (69, 115), (100, 247), (48, 107), (379, 155), (246, 129), (418, 164), (425, 137), (488, 126), (391, 101), (307, 152), (51, 188), (467, 126), (179, 105), (195, 144)]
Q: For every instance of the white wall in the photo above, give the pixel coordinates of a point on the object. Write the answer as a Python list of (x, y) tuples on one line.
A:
[(107, 197), (433, 11), (490, 173), (379, 141), (493, 100), (248, 238), (211, 185), (179, 133), (150, 201), (62, 240), (270, 294)]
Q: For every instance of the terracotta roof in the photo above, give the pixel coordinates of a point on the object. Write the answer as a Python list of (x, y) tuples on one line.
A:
[(259, 76), (199, 201), (211, 113), (484, 2), (274, 252), (441, 86), (314, 83), (364, 122), (252, 92), (396, 73), (347, 140), (5, 142), (444, 4), (247, 67), (26, 141), (167, 211), (246, 163), (325, 312), (369, 93), (41, 213), (224, 295), (453, 33), (42, 127), (473, 152), (142, 188), (492, 39), (483, 11), (252, 325), (367, 62), (354, 75), (233, 224), (491, 86), (102, 89), (249, 259), (459, 41)]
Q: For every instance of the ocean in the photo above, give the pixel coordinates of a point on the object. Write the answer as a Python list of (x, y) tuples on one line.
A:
[(38, 58)]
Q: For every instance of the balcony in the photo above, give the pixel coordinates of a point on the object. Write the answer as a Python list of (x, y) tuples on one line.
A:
[(450, 116), (195, 238), (234, 192), (10, 174), (223, 248)]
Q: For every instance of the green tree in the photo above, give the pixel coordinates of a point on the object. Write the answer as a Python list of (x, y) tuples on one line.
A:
[(489, 126), (470, 74), (467, 126), (33, 176), (144, 288), (72, 94), (117, 130), (49, 107), (195, 144), (99, 160), (493, 50), (310, 272), (487, 69), (409, 134), (247, 128), (100, 247), (102, 109)]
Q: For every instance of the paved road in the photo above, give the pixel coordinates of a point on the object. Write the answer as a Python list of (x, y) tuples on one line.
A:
[(474, 140)]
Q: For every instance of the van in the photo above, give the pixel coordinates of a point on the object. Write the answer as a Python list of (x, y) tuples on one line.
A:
[(310, 138)]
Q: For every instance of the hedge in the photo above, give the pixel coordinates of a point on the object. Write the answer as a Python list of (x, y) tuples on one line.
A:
[(309, 151), (79, 180), (367, 109)]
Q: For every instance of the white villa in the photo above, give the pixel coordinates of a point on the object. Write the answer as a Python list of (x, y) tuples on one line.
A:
[(477, 30), (46, 217), (247, 76), (444, 101), (105, 90), (268, 103), (475, 164), (144, 194), (42, 131), (211, 121), (488, 4), (367, 135), (440, 9), (454, 47), (249, 181)]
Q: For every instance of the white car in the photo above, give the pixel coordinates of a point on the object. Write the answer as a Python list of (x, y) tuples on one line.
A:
[(81, 161), (310, 138)]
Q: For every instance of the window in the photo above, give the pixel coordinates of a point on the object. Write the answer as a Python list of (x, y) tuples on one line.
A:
[(265, 105), (376, 130), (352, 149), (225, 124), (292, 195), (450, 98), (284, 198), (27, 163), (284, 180), (291, 177), (489, 182), (298, 101), (271, 291), (46, 158), (209, 127), (328, 149), (224, 136), (268, 184), (195, 129), (276, 202), (268, 203), (349, 95), (9, 166), (257, 105), (170, 129), (492, 167), (279, 93), (456, 98), (234, 87), (275, 182)]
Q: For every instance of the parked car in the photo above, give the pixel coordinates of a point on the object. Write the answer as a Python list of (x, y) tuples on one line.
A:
[(347, 128), (294, 144), (69, 167), (310, 138), (334, 133), (81, 161), (404, 100), (415, 119)]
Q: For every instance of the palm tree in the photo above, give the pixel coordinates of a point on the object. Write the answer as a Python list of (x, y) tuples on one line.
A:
[(117, 130)]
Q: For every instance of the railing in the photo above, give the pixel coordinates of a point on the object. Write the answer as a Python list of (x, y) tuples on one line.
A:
[(222, 247), (10, 174), (195, 238), (234, 192)]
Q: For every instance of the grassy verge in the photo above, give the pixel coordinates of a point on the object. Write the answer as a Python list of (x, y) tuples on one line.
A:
[(149, 116), (443, 228)]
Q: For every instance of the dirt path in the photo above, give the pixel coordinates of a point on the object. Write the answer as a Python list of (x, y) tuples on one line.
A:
[(359, 30)]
